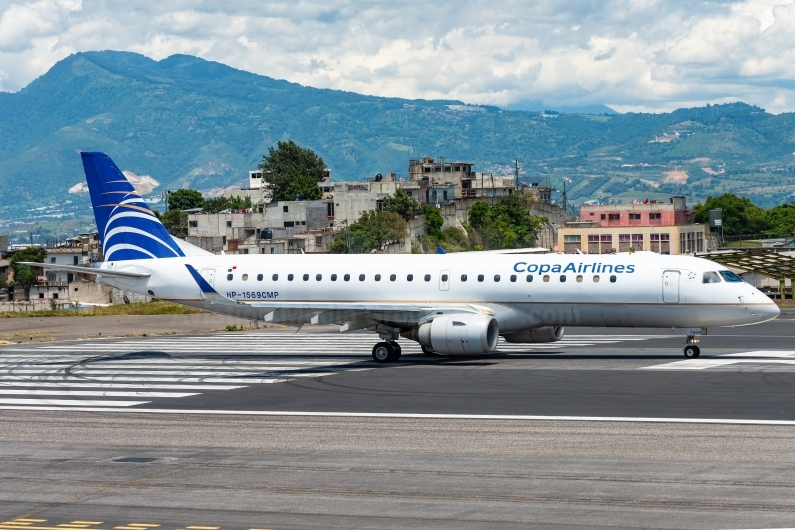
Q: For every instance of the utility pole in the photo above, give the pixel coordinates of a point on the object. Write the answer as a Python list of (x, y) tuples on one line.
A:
[(516, 184)]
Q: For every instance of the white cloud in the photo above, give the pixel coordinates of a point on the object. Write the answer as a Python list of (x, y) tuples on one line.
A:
[(630, 54)]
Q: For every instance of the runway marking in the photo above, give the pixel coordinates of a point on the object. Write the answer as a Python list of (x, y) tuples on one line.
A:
[(100, 393), (72, 402), (123, 373), (398, 415), (721, 361)]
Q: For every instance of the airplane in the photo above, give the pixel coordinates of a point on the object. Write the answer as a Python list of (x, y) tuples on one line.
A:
[(451, 304)]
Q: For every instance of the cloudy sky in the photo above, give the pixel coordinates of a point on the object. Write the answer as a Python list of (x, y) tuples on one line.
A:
[(651, 55)]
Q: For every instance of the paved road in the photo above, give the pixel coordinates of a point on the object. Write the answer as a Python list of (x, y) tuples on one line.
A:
[(77, 442)]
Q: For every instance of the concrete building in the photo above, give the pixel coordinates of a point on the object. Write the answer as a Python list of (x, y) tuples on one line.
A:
[(664, 227), (272, 228), (83, 249)]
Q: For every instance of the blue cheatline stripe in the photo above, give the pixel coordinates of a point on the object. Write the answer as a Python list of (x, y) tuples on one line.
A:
[(128, 229)]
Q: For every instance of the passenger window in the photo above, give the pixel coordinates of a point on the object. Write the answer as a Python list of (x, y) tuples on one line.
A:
[(410, 277), (444, 277), (596, 279), (427, 277), (579, 278), (496, 277), (480, 277), (378, 277), (290, 277), (613, 279), (392, 277), (562, 278), (361, 277), (710, 277), (513, 277), (463, 277), (529, 278), (333, 277), (546, 277), (318, 277), (229, 277), (347, 277), (306, 277), (245, 277), (729, 276), (259, 277), (275, 277)]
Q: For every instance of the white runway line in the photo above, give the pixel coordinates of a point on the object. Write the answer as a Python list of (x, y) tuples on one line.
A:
[(82, 384), (71, 402), (95, 393), (397, 415), (751, 357)]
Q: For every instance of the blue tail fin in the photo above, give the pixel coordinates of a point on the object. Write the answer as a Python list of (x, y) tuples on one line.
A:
[(127, 227)]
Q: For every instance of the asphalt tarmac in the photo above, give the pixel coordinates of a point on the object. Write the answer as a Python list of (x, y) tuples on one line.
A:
[(264, 429)]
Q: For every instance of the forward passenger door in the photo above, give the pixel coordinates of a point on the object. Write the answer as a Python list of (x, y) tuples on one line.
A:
[(670, 287)]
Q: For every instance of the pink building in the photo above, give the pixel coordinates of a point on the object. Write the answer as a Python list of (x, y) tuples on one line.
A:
[(652, 213)]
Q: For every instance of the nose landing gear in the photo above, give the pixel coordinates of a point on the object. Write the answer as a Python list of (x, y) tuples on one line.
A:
[(691, 351), (386, 352)]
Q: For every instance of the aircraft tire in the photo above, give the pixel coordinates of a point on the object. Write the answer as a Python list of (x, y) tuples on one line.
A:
[(691, 351), (397, 349), (426, 350), (383, 352)]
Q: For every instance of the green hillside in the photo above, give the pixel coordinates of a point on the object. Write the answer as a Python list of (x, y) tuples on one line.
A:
[(189, 122)]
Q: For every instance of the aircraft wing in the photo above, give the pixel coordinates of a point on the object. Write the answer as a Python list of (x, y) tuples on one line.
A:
[(87, 270)]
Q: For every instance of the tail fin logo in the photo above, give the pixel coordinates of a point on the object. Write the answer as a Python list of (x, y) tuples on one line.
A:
[(128, 229)]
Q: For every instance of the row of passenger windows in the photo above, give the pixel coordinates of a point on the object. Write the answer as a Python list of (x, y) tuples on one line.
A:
[(410, 278)]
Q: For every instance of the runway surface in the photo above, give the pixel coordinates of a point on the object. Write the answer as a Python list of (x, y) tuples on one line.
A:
[(282, 430)]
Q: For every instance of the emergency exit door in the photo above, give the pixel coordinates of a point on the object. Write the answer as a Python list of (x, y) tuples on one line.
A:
[(671, 287), (444, 280)]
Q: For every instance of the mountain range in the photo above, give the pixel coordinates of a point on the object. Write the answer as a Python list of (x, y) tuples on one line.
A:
[(187, 122)]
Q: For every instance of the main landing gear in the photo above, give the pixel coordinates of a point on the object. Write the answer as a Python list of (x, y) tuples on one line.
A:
[(691, 351), (386, 352)]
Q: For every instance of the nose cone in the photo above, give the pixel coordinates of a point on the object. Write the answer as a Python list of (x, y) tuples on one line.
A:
[(768, 311)]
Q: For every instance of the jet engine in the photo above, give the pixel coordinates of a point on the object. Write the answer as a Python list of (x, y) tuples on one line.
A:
[(545, 334), (459, 334)]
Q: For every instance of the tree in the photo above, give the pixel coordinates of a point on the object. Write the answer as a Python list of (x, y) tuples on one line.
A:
[(781, 220), (185, 200), (740, 215), (25, 275), (402, 204), (512, 210), (433, 222), (289, 162), (303, 189), (373, 230), (480, 214), (176, 222), (219, 204)]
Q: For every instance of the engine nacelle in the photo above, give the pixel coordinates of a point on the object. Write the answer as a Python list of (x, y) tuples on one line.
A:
[(545, 334), (459, 334)]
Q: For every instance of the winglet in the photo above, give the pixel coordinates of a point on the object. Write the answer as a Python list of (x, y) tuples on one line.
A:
[(440, 250)]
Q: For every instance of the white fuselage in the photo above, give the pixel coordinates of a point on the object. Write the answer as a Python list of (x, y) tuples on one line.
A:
[(524, 290)]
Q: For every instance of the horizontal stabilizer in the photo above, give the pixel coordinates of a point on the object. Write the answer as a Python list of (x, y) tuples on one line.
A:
[(87, 270)]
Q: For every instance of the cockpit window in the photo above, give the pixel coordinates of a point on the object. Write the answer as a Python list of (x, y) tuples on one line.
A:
[(729, 276), (710, 277)]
